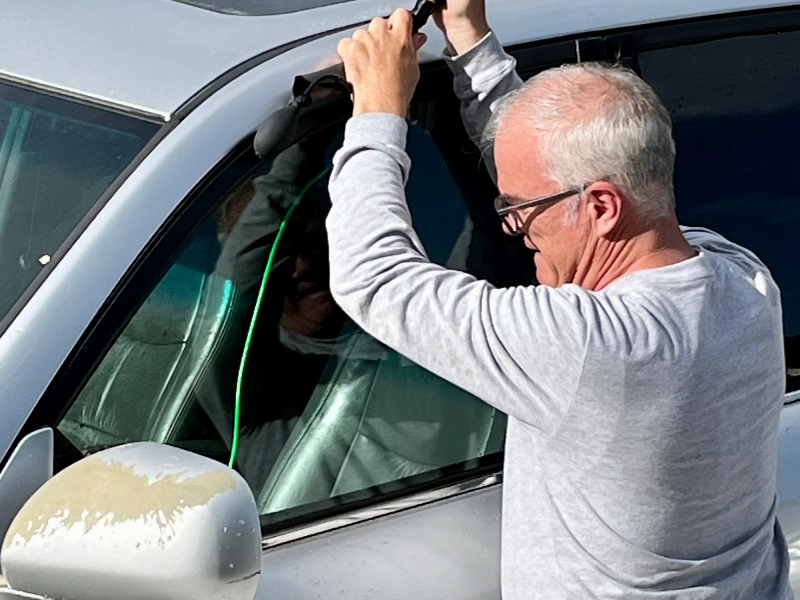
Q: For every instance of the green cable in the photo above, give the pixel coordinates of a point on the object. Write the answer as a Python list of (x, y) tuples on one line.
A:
[(273, 252)]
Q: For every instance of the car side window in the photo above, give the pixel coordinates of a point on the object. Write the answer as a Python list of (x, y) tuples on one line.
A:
[(328, 414), (735, 104)]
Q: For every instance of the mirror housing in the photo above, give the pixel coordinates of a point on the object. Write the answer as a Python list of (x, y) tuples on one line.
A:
[(137, 521), (27, 469)]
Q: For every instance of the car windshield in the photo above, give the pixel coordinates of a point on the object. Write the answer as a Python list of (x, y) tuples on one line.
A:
[(259, 8), (57, 159)]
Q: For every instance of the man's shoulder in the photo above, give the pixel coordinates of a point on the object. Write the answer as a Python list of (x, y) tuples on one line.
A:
[(701, 236), (716, 246)]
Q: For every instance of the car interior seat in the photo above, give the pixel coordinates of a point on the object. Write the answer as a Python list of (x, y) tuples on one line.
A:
[(142, 388), (375, 421)]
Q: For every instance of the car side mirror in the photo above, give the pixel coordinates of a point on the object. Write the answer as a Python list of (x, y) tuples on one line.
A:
[(28, 468), (137, 521)]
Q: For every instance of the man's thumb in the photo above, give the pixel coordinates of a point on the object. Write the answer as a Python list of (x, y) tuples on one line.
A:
[(419, 39)]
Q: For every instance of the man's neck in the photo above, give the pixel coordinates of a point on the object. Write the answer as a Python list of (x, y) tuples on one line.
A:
[(659, 245)]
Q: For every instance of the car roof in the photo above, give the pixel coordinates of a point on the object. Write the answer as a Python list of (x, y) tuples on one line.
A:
[(152, 56)]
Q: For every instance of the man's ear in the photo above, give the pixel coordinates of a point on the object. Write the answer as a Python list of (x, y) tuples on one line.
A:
[(604, 203)]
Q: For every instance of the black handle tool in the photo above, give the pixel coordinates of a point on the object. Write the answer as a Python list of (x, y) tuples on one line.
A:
[(422, 12)]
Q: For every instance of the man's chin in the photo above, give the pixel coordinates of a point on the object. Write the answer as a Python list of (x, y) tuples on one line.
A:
[(544, 274)]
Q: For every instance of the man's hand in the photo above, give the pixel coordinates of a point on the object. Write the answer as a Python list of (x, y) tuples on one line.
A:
[(463, 22), (381, 64)]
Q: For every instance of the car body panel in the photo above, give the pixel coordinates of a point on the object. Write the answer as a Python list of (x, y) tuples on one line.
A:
[(30, 466), (185, 48), (448, 549), (180, 47), (789, 484)]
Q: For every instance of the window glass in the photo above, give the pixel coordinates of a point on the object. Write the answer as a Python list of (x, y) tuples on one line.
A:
[(735, 104), (57, 158), (329, 415)]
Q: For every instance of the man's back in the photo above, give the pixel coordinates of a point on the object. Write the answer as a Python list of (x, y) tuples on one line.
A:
[(662, 473)]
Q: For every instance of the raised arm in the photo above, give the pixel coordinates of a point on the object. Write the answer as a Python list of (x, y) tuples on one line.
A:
[(509, 346), (484, 73), (518, 349)]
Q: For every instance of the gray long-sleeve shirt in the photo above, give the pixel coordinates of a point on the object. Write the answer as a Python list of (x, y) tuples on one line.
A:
[(643, 418)]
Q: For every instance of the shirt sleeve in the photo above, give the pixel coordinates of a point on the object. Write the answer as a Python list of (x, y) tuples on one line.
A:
[(519, 349), (483, 76)]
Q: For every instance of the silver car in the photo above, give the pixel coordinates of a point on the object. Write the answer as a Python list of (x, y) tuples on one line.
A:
[(162, 282)]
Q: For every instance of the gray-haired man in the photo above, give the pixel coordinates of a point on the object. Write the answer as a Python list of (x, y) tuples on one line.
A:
[(643, 379)]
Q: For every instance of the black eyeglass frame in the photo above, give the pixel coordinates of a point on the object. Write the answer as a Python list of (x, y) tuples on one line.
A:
[(503, 209)]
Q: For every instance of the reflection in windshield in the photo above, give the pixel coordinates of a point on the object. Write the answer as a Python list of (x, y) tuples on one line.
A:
[(327, 410), (57, 158)]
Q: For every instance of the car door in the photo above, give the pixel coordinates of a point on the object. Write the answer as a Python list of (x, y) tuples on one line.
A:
[(373, 476)]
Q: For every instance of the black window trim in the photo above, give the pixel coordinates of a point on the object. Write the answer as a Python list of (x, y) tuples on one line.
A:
[(489, 474), (166, 244), (695, 30), (627, 41)]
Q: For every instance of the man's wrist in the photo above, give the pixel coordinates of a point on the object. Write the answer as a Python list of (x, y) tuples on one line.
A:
[(463, 39), (372, 106), (374, 127)]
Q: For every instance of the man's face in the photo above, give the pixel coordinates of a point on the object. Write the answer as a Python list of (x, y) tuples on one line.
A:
[(559, 241), (309, 307)]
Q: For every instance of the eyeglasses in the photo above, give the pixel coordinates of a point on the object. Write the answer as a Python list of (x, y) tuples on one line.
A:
[(508, 207)]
